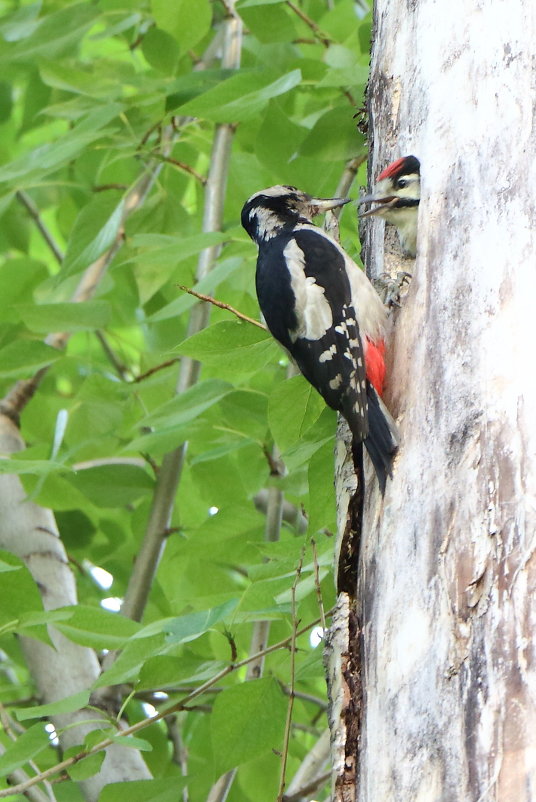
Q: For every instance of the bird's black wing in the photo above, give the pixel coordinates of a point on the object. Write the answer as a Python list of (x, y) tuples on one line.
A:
[(305, 296)]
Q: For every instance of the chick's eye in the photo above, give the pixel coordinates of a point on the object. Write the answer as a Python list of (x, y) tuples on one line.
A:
[(401, 183)]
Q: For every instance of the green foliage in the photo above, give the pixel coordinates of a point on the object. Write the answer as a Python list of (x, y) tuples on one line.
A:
[(95, 98)]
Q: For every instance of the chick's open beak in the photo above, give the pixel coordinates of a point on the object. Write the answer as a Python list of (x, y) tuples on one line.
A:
[(384, 201)]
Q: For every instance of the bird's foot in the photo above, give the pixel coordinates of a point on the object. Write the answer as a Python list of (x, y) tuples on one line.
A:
[(390, 288)]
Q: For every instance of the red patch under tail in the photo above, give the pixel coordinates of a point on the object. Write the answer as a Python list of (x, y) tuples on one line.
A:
[(375, 363)]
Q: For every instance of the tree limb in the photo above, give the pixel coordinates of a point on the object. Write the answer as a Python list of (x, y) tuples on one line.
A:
[(172, 463)]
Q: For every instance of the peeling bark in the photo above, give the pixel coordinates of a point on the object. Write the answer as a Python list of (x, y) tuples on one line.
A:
[(448, 568)]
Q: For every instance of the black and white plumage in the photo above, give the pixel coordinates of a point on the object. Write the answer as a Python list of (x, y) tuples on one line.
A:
[(321, 307)]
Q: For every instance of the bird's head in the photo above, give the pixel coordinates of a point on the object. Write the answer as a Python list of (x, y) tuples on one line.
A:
[(397, 193), (275, 209)]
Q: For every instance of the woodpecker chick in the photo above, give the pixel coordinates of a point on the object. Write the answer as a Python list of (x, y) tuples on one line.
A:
[(322, 308), (397, 193)]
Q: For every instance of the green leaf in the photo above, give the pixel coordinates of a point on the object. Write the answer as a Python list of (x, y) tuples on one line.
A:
[(141, 790), (294, 407), (135, 653), (165, 249), (269, 23), (247, 721), (164, 671), (95, 229), (241, 97), (44, 159), (224, 269), (6, 101), (46, 318), (52, 34), (131, 742), (27, 746), (187, 22), (321, 505), (18, 596), (85, 768), (22, 358), (188, 405), (68, 705), (240, 345), (98, 628), (161, 50), (321, 144), (33, 467), (112, 485), (188, 627), (6, 567)]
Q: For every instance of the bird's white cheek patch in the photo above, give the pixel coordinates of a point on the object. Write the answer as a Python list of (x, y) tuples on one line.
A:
[(312, 307)]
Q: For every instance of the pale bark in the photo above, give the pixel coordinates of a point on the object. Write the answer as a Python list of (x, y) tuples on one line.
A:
[(30, 532), (448, 567)]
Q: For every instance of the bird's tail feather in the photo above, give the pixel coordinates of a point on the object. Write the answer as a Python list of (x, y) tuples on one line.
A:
[(382, 440)]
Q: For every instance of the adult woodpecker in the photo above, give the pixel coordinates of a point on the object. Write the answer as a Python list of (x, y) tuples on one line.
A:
[(397, 193), (322, 308)]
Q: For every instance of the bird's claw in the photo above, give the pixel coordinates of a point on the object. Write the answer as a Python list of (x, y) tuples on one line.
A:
[(389, 288)]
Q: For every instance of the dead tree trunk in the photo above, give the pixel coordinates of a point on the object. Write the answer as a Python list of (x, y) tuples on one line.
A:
[(448, 566)]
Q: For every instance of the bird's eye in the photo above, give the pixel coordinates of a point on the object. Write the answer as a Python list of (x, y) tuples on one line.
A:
[(401, 183)]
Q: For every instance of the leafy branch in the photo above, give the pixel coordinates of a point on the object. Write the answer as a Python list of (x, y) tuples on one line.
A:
[(144, 723)]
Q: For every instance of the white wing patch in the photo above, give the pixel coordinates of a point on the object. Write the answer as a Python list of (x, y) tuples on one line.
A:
[(328, 354), (312, 307), (368, 306)]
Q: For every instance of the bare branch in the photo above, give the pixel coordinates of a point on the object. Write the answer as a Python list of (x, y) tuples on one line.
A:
[(33, 211), (286, 738), (221, 305), (156, 368), (322, 37), (171, 469), (182, 166), (121, 370), (306, 790)]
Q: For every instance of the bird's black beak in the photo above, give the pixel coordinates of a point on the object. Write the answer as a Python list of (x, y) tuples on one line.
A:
[(321, 205), (384, 201)]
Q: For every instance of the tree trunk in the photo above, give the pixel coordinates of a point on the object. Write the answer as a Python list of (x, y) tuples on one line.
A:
[(30, 532), (448, 567)]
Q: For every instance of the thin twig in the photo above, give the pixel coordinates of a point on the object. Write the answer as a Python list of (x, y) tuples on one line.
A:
[(322, 37), (155, 369), (106, 187), (182, 166), (221, 305), (308, 789), (119, 367), (33, 211), (174, 708), (290, 706)]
